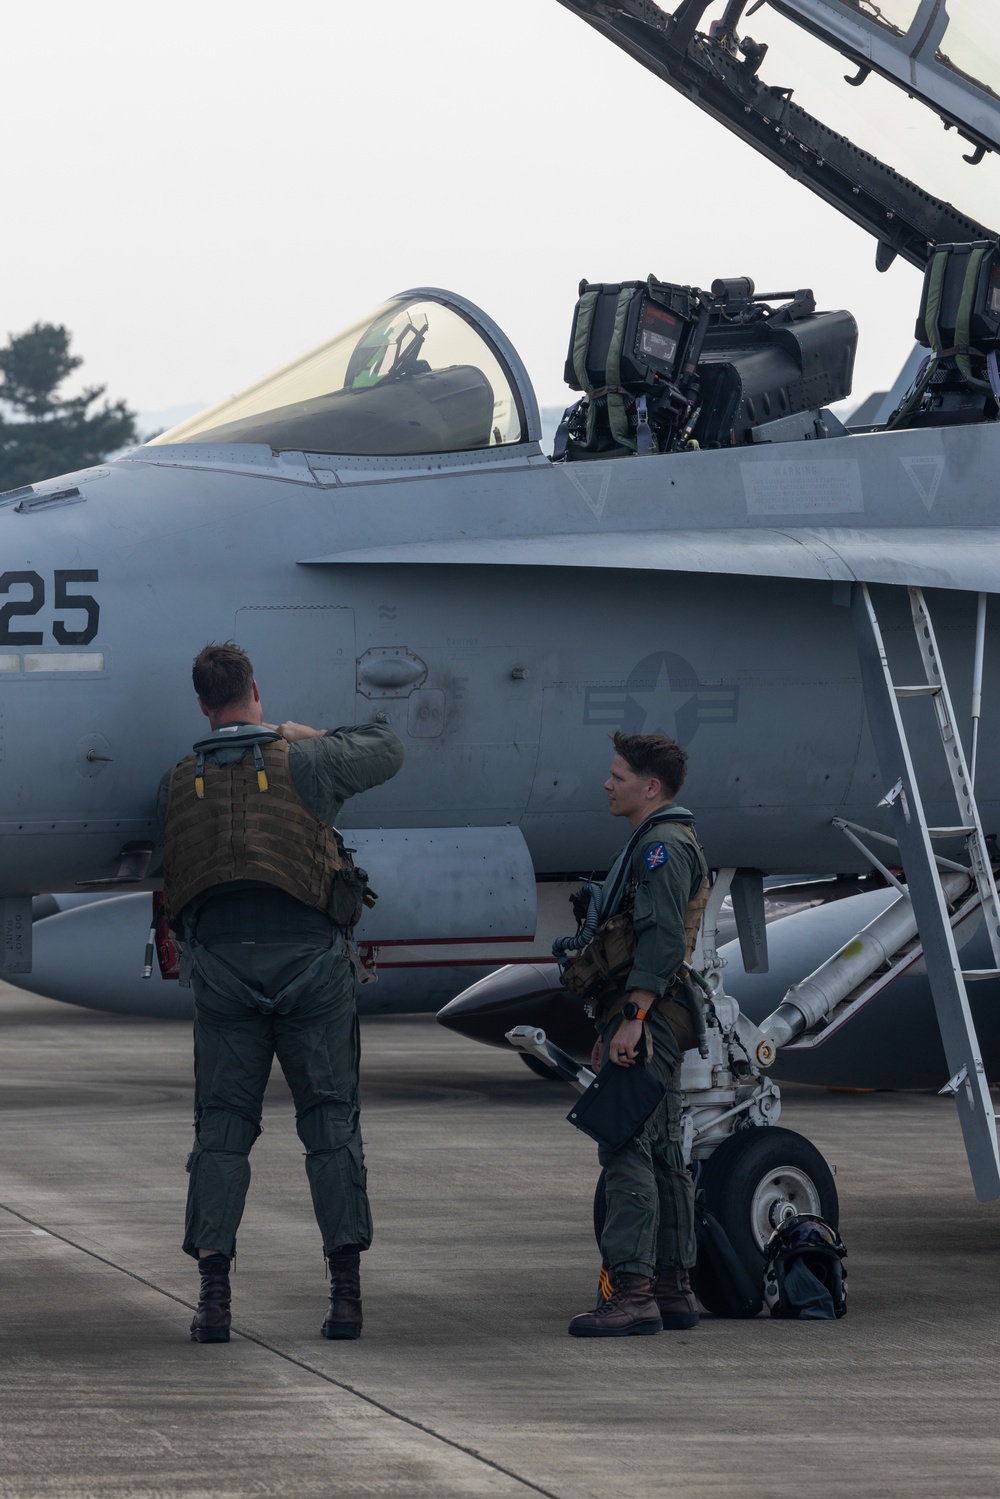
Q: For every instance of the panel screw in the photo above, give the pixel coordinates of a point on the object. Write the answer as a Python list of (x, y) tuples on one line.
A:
[(518, 673)]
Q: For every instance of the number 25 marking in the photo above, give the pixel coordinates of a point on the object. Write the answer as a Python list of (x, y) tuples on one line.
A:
[(64, 599)]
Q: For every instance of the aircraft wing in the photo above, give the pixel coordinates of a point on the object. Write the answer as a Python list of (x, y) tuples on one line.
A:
[(926, 557)]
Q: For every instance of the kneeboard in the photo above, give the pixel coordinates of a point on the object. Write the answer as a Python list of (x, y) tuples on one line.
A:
[(616, 1105)]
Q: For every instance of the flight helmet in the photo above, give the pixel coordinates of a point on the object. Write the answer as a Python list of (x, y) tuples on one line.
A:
[(804, 1275)]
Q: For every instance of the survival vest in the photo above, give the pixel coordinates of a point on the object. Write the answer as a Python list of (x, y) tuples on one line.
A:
[(695, 907), (246, 821), (598, 973)]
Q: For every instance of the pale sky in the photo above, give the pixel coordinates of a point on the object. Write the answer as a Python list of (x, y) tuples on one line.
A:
[(201, 191)]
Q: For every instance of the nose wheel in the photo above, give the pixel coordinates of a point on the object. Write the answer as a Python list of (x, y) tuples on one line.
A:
[(751, 1184), (780, 1195)]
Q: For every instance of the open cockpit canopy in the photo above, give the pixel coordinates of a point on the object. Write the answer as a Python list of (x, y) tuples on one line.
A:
[(849, 96), (426, 373), (944, 52)]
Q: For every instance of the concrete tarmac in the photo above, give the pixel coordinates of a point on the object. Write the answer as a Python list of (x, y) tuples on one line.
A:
[(464, 1382)]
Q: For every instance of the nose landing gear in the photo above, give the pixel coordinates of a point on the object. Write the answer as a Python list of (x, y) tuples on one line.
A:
[(751, 1183)]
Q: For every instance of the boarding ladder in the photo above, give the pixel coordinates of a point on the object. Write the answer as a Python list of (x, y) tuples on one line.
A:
[(913, 837)]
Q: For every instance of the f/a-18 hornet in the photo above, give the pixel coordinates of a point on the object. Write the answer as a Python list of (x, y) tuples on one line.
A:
[(709, 551)]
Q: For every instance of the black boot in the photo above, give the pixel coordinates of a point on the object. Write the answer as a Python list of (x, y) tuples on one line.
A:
[(213, 1317), (343, 1316)]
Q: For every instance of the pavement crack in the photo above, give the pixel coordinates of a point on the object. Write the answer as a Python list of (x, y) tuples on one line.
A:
[(251, 1337)]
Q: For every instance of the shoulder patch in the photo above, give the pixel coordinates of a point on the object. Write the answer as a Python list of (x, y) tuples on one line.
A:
[(656, 856)]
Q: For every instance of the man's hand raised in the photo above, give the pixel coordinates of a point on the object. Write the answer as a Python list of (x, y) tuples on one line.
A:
[(293, 731)]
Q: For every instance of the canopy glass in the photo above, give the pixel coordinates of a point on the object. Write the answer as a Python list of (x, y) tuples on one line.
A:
[(959, 67), (414, 377), (961, 36), (894, 15), (970, 45)]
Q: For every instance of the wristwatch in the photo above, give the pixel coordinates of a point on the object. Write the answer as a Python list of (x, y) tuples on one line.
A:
[(631, 1011)]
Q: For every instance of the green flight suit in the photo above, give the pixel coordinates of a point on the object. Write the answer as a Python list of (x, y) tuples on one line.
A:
[(649, 1224), (271, 978)]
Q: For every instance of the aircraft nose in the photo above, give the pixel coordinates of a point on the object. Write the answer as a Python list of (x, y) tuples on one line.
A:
[(521, 994)]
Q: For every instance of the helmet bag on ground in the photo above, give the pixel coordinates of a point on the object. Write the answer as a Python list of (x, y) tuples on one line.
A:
[(804, 1275)]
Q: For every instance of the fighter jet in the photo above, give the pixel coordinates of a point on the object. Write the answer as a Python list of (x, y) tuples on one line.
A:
[(709, 552)]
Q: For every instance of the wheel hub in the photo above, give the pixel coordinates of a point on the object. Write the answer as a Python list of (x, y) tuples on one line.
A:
[(780, 1195)]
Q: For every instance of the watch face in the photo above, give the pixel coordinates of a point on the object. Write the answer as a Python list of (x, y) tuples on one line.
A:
[(630, 1009)]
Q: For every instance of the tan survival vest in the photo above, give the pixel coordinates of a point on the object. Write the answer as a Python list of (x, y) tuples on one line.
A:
[(599, 971), (695, 906), (246, 821)]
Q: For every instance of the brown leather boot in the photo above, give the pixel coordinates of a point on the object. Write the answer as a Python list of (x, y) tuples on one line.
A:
[(629, 1311), (212, 1319), (675, 1298), (343, 1317)]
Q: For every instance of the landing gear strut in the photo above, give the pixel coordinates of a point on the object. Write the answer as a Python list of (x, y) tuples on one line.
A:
[(540, 1068)]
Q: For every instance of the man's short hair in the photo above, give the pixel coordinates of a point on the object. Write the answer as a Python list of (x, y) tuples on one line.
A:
[(222, 674), (654, 755)]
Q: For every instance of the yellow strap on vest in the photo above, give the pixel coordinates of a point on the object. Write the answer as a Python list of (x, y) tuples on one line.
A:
[(199, 778), (258, 761)]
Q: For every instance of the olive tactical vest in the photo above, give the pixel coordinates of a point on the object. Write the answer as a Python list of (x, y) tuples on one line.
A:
[(238, 830)]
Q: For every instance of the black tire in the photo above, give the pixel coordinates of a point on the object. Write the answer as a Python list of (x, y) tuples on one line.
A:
[(750, 1180), (730, 1179), (540, 1068)]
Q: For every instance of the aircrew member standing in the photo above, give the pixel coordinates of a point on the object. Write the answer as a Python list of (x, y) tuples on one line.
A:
[(648, 1241), (258, 885)]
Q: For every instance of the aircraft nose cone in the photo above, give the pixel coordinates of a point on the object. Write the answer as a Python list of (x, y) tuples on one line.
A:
[(521, 994)]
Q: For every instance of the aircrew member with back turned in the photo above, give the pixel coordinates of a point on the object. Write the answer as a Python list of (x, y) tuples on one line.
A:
[(258, 885)]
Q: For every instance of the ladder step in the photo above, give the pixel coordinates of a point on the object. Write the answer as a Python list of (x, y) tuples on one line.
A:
[(949, 832), (924, 689), (972, 974)]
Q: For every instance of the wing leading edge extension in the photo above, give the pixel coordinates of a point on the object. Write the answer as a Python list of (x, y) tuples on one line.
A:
[(926, 557)]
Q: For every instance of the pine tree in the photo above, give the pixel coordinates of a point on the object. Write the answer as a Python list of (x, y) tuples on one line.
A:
[(42, 435)]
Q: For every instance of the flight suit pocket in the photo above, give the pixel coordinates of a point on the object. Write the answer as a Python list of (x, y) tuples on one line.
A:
[(643, 911)]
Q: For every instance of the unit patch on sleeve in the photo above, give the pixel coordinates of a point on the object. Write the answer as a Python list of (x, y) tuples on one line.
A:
[(656, 855)]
